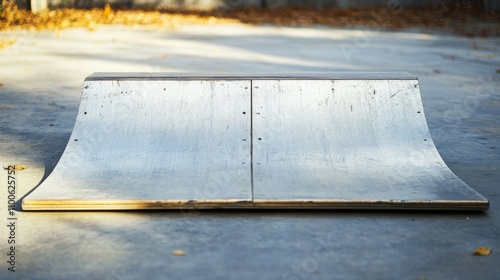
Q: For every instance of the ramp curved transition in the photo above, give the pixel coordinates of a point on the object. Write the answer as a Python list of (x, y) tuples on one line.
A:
[(165, 141)]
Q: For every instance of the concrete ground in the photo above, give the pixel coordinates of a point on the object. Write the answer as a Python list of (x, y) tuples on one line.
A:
[(41, 77)]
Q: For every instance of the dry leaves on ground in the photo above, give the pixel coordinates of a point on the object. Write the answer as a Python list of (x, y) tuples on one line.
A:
[(465, 19), (14, 18)]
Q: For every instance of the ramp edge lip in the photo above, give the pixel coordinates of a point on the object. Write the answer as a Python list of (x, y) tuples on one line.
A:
[(137, 76), (89, 205)]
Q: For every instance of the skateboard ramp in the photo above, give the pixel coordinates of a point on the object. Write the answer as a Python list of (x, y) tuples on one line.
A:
[(165, 141)]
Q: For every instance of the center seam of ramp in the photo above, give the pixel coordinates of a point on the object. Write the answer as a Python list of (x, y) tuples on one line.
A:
[(251, 139)]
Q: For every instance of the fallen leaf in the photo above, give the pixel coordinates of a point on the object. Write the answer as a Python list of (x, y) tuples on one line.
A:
[(15, 167), (437, 71), (1, 84), (178, 253), (107, 10), (4, 43), (482, 251)]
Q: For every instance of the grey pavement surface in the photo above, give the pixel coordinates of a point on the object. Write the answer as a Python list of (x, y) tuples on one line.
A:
[(42, 75)]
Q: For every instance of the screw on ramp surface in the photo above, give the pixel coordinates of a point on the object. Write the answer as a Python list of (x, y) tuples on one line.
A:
[(169, 141)]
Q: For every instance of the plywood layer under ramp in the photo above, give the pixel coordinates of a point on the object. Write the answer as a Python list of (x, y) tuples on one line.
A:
[(177, 141)]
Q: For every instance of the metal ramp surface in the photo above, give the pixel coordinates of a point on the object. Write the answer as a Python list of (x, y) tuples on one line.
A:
[(166, 141)]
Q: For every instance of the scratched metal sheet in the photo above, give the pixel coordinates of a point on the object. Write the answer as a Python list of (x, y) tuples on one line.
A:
[(349, 144), (165, 141), (143, 144)]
